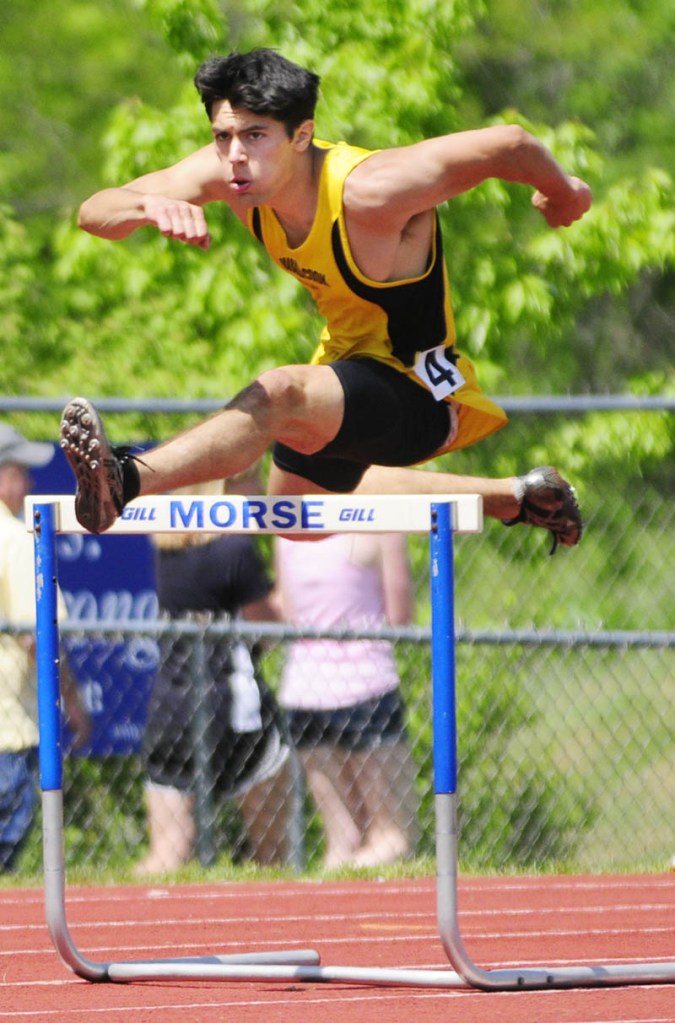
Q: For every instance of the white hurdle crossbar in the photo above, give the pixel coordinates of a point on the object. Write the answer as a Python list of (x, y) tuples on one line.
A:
[(439, 516)]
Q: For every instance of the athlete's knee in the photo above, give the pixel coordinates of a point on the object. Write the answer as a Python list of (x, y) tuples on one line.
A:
[(272, 399), (285, 388), (306, 404)]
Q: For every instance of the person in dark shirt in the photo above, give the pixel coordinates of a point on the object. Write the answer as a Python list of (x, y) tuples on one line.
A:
[(217, 719)]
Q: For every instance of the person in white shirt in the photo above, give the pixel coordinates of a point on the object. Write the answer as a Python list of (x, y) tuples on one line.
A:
[(18, 689)]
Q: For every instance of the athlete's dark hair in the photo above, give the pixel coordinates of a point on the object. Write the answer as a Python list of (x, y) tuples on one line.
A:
[(261, 81)]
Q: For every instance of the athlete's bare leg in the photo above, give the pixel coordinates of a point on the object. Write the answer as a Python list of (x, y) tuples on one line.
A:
[(500, 500), (539, 498), (301, 406)]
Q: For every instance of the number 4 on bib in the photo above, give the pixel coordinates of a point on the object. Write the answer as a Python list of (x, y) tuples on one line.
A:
[(438, 372)]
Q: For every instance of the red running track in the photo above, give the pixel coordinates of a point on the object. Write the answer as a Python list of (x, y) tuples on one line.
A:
[(505, 923)]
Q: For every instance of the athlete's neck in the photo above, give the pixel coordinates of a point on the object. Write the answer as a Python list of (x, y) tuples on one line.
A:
[(296, 209)]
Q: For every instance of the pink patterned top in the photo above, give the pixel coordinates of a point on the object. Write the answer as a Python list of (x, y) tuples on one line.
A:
[(322, 587)]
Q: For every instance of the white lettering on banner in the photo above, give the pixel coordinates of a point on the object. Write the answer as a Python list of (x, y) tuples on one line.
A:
[(74, 547), (141, 654), (128, 732), (253, 514), (437, 371), (92, 696), (112, 605)]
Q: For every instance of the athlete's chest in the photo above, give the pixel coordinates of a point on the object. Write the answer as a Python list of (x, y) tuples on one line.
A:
[(387, 256), (338, 245)]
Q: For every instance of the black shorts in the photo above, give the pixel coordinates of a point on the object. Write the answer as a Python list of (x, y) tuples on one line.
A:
[(362, 726), (388, 420)]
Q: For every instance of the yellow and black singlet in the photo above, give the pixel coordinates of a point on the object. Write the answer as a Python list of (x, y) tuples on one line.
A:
[(406, 324)]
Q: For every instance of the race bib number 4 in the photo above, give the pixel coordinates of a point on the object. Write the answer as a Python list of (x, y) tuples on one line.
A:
[(438, 372)]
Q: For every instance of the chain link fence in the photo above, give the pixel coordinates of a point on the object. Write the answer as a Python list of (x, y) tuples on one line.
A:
[(566, 707)]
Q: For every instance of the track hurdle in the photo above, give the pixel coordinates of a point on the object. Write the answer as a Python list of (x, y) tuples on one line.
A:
[(441, 517)]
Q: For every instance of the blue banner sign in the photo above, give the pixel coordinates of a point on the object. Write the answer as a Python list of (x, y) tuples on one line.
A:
[(105, 579)]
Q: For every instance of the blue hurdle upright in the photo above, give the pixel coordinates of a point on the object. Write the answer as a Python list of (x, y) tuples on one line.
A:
[(440, 517)]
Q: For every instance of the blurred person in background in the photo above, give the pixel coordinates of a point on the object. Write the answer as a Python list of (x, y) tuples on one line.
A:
[(18, 684), (342, 696), (207, 578)]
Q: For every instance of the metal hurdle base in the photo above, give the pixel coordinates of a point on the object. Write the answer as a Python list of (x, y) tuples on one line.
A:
[(54, 882), (344, 513), (296, 964), (303, 965)]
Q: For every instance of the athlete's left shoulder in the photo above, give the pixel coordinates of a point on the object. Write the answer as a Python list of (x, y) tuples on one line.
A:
[(343, 152)]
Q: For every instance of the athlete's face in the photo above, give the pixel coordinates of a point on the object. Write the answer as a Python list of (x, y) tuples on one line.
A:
[(258, 157)]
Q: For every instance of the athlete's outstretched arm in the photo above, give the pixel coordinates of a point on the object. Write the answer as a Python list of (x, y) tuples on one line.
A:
[(170, 200), (397, 184)]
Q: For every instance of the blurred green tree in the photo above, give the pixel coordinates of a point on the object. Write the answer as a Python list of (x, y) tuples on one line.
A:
[(135, 318)]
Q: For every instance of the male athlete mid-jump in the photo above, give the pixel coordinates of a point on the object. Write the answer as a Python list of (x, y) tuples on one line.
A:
[(386, 389)]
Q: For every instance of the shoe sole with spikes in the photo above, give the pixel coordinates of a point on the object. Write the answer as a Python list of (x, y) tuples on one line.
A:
[(98, 472)]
